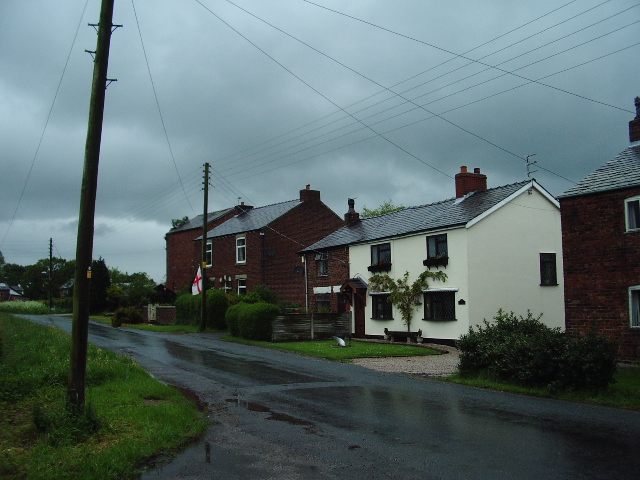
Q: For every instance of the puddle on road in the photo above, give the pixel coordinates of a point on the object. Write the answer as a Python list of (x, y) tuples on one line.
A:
[(280, 417)]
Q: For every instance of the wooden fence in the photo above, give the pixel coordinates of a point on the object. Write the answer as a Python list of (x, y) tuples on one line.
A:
[(312, 326)]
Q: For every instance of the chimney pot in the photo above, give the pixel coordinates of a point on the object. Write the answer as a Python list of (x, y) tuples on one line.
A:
[(308, 186), (634, 125), (351, 216), (467, 182)]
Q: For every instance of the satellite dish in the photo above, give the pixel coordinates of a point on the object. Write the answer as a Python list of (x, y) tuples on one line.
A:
[(340, 342)]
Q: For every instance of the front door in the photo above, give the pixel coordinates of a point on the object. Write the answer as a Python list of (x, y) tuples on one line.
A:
[(358, 315)]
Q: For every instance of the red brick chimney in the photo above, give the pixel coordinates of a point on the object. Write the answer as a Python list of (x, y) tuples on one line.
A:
[(634, 125), (351, 216), (308, 195), (467, 182)]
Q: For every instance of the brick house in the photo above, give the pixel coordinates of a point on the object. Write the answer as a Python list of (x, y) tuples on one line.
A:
[(601, 249), (500, 248), (260, 245), (183, 255)]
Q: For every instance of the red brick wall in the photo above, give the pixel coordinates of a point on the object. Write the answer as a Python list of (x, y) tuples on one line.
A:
[(338, 269), (184, 254), (601, 262), (272, 258)]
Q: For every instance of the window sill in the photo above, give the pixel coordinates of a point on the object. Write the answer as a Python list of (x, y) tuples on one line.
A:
[(385, 267), (436, 262), (549, 284), (384, 319), (440, 319)]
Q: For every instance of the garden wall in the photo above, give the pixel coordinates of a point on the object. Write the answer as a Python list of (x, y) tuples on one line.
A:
[(312, 326)]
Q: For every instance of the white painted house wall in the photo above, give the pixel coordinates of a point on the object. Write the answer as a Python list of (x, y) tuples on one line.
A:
[(493, 263), (504, 260)]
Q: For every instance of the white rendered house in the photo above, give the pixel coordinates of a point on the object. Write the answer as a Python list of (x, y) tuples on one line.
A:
[(500, 248)]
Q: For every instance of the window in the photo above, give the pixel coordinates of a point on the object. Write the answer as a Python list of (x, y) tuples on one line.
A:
[(437, 246), (380, 258), (241, 250), (226, 281), (322, 264), (242, 286), (208, 256), (382, 308), (439, 306), (548, 273), (634, 306), (632, 207), (323, 302)]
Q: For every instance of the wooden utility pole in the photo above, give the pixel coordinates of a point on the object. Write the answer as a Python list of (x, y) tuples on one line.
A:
[(84, 248), (205, 215), (50, 274)]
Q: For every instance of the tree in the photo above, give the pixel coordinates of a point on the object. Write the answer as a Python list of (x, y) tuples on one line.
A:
[(12, 273), (137, 288), (178, 222), (100, 282), (404, 296), (35, 278), (386, 207)]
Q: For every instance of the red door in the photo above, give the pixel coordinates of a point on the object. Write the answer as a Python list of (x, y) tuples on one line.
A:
[(358, 315)]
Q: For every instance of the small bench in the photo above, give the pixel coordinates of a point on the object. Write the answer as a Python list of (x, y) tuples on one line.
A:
[(408, 337)]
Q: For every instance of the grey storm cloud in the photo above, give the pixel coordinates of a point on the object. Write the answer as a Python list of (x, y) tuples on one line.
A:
[(372, 100)]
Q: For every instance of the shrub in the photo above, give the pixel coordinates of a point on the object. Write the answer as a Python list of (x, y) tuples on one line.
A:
[(217, 305), (256, 321), (187, 309), (523, 350), (128, 315), (233, 318)]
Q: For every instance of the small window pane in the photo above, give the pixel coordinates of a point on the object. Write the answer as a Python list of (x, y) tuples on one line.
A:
[(548, 273), (382, 309), (440, 306), (633, 214)]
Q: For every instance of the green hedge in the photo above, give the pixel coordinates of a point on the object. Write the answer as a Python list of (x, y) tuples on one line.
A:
[(126, 315), (188, 309), (524, 351), (253, 321)]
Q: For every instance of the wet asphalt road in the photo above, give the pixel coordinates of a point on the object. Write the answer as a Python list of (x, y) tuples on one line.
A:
[(283, 416)]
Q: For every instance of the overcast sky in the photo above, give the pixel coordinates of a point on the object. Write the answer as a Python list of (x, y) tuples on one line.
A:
[(373, 100)]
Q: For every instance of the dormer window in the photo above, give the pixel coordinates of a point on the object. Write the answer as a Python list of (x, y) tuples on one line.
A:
[(380, 258), (632, 211)]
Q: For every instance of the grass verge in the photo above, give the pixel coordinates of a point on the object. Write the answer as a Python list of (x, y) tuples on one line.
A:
[(327, 349), (177, 329), (624, 393), (129, 416)]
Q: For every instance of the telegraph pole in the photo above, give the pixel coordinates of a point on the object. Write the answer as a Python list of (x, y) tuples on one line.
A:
[(205, 215), (84, 248), (50, 273)]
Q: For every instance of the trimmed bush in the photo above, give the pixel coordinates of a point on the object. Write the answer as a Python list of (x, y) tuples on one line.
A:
[(524, 351), (128, 315), (217, 305), (233, 318)]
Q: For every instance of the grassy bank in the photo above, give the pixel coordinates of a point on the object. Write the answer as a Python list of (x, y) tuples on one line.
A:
[(327, 349), (624, 393), (130, 416)]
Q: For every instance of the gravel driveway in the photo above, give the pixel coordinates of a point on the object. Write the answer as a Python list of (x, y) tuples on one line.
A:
[(441, 365)]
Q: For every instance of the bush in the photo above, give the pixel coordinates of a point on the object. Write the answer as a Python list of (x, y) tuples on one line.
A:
[(217, 305), (187, 309), (128, 315), (233, 318), (524, 351)]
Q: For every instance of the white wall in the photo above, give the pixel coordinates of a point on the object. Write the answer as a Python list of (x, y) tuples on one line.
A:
[(504, 261)]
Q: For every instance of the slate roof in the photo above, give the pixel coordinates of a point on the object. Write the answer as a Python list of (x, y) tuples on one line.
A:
[(196, 222), (253, 219), (444, 214), (622, 171)]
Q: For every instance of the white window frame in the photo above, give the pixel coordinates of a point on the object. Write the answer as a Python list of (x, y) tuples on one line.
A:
[(241, 285), (634, 306), (628, 225), (209, 253), (241, 249)]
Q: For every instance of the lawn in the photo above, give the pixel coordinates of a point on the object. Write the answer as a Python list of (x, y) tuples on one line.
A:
[(129, 417), (328, 349)]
